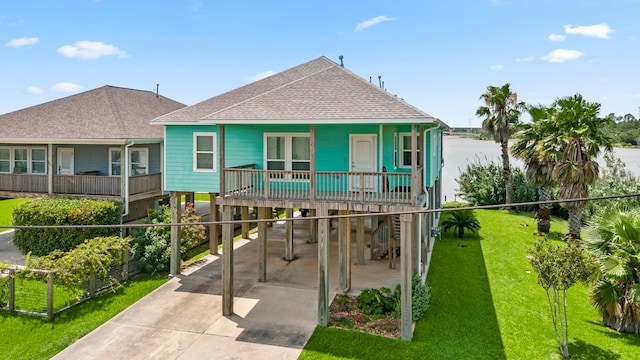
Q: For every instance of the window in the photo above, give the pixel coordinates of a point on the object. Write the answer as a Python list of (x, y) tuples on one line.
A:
[(204, 157), (23, 160), (287, 152), (138, 161), (405, 151)]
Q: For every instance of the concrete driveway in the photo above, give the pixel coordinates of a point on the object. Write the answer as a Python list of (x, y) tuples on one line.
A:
[(8, 252), (183, 318)]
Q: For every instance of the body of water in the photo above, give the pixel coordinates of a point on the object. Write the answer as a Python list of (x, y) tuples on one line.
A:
[(458, 152)]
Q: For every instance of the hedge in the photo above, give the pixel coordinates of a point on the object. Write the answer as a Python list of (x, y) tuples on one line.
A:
[(62, 211)]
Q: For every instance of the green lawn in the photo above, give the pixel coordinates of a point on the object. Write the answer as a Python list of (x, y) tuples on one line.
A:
[(28, 337), (485, 304), (6, 209)]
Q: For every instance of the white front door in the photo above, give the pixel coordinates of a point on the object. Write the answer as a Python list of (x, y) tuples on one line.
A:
[(362, 156), (65, 161)]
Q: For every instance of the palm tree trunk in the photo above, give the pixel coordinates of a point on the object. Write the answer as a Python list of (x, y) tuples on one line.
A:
[(543, 217), (507, 173), (575, 221)]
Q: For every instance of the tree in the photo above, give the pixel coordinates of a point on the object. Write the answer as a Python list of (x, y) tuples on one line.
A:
[(538, 163), (502, 116), (559, 268), (459, 220), (613, 238), (575, 131)]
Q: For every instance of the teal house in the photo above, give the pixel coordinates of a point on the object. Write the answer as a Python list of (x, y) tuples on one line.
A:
[(321, 138)]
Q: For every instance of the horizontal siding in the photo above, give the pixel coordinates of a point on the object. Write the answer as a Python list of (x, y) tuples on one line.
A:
[(179, 161)]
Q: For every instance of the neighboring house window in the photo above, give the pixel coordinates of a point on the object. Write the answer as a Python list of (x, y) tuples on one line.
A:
[(138, 161), (204, 148), (287, 152), (405, 151), (23, 160)]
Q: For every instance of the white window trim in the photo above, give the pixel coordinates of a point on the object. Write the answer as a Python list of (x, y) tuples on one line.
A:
[(214, 153), (29, 160), (131, 149), (401, 150), (288, 160)]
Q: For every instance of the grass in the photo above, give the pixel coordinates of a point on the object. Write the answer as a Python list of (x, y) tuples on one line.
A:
[(486, 304), (28, 337), (6, 211)]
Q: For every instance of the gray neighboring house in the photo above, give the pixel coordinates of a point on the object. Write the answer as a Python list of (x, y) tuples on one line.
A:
[(73, 147)]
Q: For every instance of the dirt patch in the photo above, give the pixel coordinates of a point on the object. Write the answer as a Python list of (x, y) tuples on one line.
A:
[(345, 314)]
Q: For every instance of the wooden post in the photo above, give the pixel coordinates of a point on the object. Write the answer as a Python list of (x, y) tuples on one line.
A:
[(245, 224), (288, 244), (222, 162), (344, 251), (323, 266), (312, 163), (415, 242), (360, 240), (406, 275), (264, 213), (12, 290), (227, 261), (392, 242), (313, 228), (174, 267), (213, 228), (125, 263), (50, 295), (415, 190)]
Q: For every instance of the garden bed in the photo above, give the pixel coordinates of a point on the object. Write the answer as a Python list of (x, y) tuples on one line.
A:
[(345, 314)]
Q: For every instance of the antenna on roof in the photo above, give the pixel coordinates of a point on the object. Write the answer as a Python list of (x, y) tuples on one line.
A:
[(157, 90), (341, 63)]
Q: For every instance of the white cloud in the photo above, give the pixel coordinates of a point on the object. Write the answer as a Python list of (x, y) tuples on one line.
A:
[(66, 87), (556, 37), (601, 31), (90, 50), (23, 41), (262, 75), (371, 22), (34, 90), (526, 59), (562, 55), (497, 67)]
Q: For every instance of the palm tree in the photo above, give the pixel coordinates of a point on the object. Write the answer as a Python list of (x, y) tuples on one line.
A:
[(502, 116), (459, 220), (528, 146), (614, 240), (575, 131)]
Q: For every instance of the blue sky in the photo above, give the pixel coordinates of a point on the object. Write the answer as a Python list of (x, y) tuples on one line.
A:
[(437, 55)]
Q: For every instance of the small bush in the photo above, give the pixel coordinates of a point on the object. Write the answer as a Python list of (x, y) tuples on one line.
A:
[(62, 211), (152, 245), (384, 302)]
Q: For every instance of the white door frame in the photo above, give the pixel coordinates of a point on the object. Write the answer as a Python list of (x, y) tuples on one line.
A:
[(59, 161), (370, 182)]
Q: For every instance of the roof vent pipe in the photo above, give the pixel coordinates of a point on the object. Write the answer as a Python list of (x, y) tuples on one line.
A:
[(341, 62), (380, 81), (157, 91)]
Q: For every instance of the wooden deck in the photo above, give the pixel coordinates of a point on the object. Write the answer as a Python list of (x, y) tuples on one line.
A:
[(86, 185), (326, 186)]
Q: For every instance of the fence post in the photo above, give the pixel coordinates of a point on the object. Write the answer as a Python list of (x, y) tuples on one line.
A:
[(125, 265), (92, 284), (50, 296), (12, 290)]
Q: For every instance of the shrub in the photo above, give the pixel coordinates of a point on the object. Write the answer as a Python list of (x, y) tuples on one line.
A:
[(94, 256), (152, 245), (482, 183), (384, 302), (62, 211)]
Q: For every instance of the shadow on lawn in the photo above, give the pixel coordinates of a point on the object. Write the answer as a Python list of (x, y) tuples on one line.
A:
[(581, 350), (461, 322)]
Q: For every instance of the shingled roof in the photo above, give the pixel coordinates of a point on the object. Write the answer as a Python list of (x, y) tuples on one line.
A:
[(319, 91), (102, 114)]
